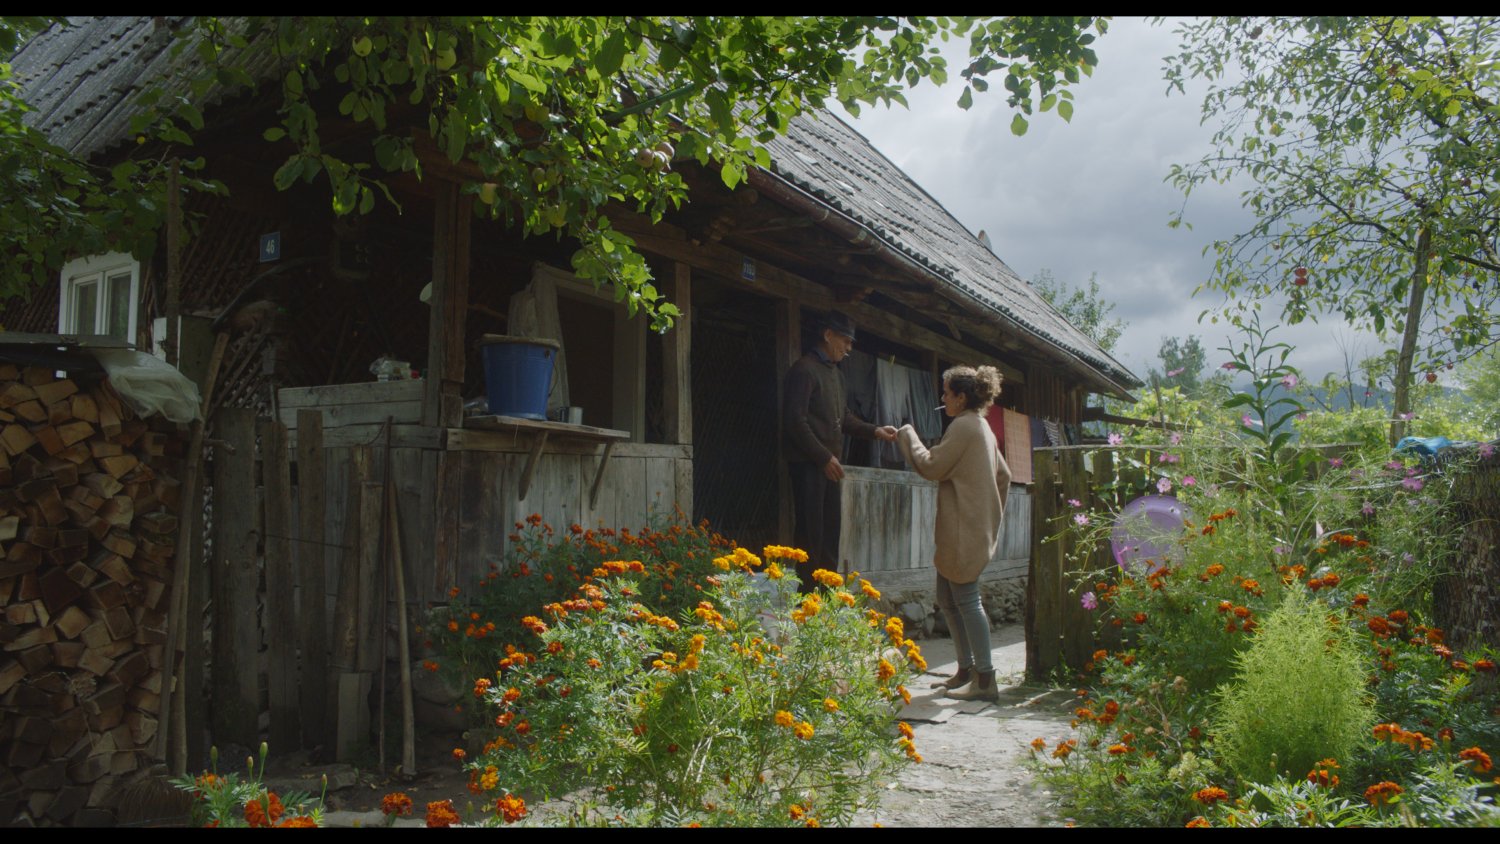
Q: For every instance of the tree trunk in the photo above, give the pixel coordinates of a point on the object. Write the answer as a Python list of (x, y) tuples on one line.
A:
[(1408, 353)]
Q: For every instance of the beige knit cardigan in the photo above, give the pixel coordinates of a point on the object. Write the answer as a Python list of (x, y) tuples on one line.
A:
[(973, 482)]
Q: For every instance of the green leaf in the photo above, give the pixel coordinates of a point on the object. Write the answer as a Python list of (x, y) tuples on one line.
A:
[(286, 175), (274, 134), (611, 54), (1065, 111)]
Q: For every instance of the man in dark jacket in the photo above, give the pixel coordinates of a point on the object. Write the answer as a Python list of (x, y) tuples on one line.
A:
[(817, 417)]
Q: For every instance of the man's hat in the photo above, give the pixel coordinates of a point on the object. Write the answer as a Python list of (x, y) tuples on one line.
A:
[(840, 323)]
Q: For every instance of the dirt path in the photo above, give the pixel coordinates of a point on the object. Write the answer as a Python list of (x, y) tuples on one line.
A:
[(974, 771)]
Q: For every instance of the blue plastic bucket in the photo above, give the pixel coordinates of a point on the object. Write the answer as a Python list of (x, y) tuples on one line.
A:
[(518, 374)]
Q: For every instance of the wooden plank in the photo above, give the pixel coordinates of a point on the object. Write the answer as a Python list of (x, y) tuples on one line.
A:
[(1043, 586), (683, 468), (660, 480), (447, 530), (559, 430), (788, 349), (236, 635), (403, 412), (677, 362), (629, 361), (281, 579), (563, 496), (463, 439), (368, 583), (402, 436), (311, 577), (339, 395), (448, 307)]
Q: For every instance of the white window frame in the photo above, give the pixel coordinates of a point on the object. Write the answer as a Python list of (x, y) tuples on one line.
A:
[(94, 270)]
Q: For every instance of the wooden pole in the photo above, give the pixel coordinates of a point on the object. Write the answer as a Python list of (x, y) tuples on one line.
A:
[(281, 611), (173, 309), (408, 711), (312, 584)]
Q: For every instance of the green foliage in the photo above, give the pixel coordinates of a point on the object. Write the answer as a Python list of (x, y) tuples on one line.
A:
[(1298, 696), (225, 801), (562, 116), (1480, 378), (1372, 145), (758, 707), (1182, 364), (1084, 307)]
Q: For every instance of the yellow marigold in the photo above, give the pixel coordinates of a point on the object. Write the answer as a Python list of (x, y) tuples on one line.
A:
[(774, 572), (490, 779), (885, 670), (917, 661), (803, 730), (784, 718), (830, 704), (844, 598), (870, 591), (905, 730), (827, 578), (905, 695), (723, 563), (895, 629)]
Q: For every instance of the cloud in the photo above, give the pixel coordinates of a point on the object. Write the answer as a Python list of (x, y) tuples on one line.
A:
[(1090, 196)]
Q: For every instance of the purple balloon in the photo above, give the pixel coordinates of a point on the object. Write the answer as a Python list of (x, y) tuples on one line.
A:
[(1147, 530)]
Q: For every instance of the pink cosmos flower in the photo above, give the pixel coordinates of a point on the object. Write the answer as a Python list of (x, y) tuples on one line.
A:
[(1169, 458), (1413, 483), (1088, 601), (1176, 438), (1247, 421), (1164, 486), (1116, 439), (1395, 465), (1081, 519), (1073, 502), (1189, 480), (1228, 364), (1487, 450), (1368, 509), (1407, 416), (1289, 381), (1335, 462), (1173, 373)]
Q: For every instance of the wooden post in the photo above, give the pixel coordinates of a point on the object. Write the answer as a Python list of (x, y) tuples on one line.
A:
[(442, 401), (173, 308), (788, 349), (312, 585), (281, 609), (629, 411), (1077, 622), (236, 579), (1043, 583), (677, 363), (367, 653), (1104, 560), (408, 713), (194, 712), (349, 689)]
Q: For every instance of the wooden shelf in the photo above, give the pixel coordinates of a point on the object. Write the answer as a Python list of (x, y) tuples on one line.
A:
[(540, 430)]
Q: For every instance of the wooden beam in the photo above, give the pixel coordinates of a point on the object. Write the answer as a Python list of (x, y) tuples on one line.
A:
[(728, 264), (630, 375), (677, 391), (788, 349), (451, 222), (236, 634), (312, 577), (281, 611)]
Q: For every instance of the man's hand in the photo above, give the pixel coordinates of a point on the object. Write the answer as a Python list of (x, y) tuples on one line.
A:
[(886, 432), (833, 470)]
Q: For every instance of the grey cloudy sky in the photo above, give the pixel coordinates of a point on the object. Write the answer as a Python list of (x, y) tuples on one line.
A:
[(1089, 196)]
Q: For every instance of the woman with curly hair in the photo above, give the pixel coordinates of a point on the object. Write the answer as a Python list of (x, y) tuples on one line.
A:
[(973, 482)]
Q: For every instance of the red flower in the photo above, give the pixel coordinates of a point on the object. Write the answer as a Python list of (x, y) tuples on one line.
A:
[(396, 803), (440, 814), (1211, 795), (1381, 792), (1480, 759)]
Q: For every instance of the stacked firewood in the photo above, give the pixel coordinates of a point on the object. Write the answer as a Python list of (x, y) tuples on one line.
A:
[(88, 526)]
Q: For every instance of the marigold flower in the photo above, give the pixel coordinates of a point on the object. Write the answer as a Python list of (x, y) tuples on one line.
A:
[(1118, 749), (885, 670), (830, 705), (905, 695), (827, 578), (1139, 618), (1211, 795), (440, 814), (1487, 665), (803, 730), (490, 778), (1481, 760), (784, 718), (511, 695), (1038, 744), (1381, 792), (481, 685), (1064, 748), (1199, 822), (510, 808), (264, 811)]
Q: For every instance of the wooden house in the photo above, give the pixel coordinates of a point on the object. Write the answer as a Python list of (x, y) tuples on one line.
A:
[(686, 419)]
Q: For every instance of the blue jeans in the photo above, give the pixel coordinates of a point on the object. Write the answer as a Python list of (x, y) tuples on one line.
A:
[(967, 623)]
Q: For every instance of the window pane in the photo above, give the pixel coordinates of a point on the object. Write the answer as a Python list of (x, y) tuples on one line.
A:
[(85, 308), (117, 317)]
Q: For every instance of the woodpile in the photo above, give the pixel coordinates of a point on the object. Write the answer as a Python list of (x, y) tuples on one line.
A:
[(88, 527)]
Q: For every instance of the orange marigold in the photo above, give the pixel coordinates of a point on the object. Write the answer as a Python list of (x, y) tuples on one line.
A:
[(298, 822), (1199, 822), (440, 814), (784, 718), (1381, 792), (396, 803), (1038, 744), (1481, 760), (803, 731), (510, 808), (264, 811), (1211, 795)]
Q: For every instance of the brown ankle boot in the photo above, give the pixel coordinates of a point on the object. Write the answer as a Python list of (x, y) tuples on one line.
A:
[(961, 677), (983, 688)]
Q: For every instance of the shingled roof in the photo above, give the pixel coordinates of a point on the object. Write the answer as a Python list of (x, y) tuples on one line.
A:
[(81, 81)]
